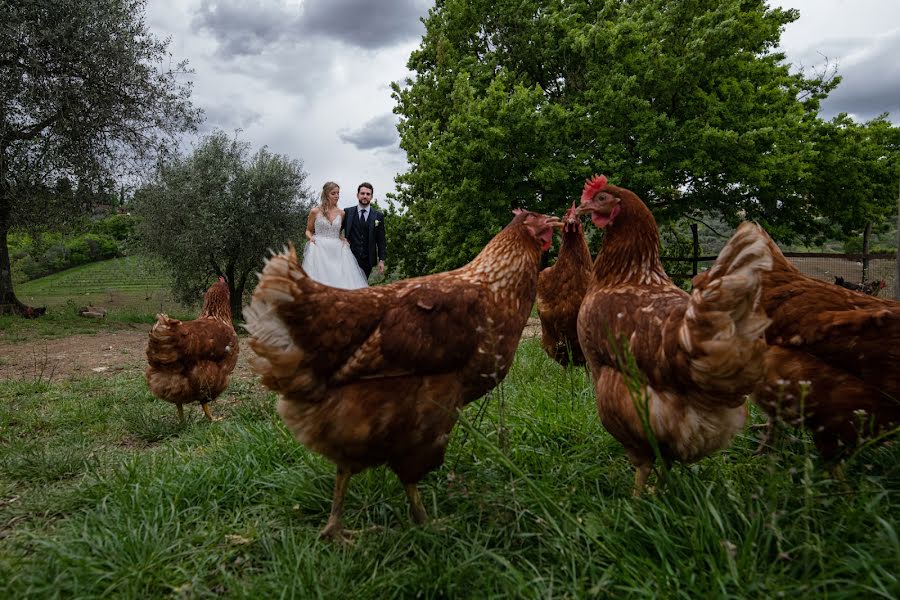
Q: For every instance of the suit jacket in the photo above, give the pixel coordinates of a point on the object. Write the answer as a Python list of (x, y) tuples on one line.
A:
[(376, 232)]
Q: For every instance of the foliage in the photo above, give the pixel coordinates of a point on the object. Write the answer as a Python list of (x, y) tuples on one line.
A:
[(120, 227), (86, 94), (857, 167), (52, 253), (516, 102), (114, 498), (218, 212), (39, 252)]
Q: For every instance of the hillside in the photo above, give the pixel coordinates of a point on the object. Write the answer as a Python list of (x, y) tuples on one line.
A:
[(133, 283)]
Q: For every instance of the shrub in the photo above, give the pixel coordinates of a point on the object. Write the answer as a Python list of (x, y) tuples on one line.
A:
[(118, 227)]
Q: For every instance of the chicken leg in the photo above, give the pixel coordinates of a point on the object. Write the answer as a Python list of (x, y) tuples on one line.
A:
[(641, 474), (208, 414), (334, 529), (419, 515), (180, 413)]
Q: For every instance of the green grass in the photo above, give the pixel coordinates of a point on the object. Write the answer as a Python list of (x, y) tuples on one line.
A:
[(104, 494), (132, 289), (127, 274)]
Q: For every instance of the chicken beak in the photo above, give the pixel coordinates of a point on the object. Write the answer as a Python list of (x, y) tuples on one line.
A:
[(585, 208)]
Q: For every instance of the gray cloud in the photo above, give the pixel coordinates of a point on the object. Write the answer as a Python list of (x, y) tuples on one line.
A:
[(870, 82), (366, 24), (228, 116), (244, 27), (252, 27), (380, 132)]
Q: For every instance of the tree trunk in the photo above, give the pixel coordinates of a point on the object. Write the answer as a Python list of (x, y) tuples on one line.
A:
[(9, 304)]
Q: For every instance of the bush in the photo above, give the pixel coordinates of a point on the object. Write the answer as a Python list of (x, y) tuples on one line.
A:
[(54, 253), (118, 227)]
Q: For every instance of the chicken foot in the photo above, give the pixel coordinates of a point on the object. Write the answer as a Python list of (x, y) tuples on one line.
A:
[(334, 529), (208, 414), (419, 516)]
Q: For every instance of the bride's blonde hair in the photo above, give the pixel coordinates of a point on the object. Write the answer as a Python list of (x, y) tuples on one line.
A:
[(325, 203)]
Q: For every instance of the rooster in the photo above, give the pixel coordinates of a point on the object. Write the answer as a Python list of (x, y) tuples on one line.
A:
[(560, 291), (834, 363), (377, 375), (671, 369), (191, 361)]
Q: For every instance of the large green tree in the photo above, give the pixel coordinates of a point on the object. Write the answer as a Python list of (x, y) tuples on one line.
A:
[(856, 169), (219, 211), (86, 93), (516, 102)]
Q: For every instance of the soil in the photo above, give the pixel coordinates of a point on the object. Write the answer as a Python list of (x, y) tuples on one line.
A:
[(111, 353)]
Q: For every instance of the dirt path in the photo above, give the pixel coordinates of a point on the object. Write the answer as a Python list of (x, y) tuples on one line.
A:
[(116, 352), (78, 356)]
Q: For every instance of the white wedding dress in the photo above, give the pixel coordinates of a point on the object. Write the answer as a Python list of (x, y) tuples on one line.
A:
[(330, 260)]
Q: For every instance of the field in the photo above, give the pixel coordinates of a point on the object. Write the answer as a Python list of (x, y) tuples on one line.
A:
[(104, 494)]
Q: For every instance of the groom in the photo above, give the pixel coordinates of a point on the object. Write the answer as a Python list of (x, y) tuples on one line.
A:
[(364, 228)]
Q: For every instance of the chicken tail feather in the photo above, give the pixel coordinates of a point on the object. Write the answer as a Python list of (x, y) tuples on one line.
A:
[(725, 323), (163, 347), (277, 358)]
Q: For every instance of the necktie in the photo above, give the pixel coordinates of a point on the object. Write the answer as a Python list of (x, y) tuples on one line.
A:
[(363, 217)]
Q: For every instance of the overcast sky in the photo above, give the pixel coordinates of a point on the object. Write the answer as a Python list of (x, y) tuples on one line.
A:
[(311, 78)]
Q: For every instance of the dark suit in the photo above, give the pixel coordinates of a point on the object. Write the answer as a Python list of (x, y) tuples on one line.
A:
[(366, 239)]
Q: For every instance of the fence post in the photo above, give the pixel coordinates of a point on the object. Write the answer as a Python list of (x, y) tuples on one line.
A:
[(897, 256), (865, 259), (694, 261)]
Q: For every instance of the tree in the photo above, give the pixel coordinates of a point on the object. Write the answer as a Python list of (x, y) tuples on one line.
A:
[(855, 172), (516, 102), (86, 95), (218, 212)]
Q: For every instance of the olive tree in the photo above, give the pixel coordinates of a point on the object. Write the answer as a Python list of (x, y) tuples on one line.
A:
[(86, 93), (218, 211)]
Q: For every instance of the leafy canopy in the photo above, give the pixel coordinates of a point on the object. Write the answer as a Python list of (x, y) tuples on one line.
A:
[(218, 211), (516, 102), (87, 93)]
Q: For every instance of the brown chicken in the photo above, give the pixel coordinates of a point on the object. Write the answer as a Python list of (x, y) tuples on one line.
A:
[(191, 361), (377, 375), (691, 359), (560, 290), (834, 363)]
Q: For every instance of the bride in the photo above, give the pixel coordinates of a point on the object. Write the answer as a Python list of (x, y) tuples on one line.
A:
[(327, 258)]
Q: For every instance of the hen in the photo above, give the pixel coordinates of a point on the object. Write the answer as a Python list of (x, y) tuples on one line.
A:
[(871, 288), (560, 291), (680, 388), (191, 361), (377, 375), (834, 362)]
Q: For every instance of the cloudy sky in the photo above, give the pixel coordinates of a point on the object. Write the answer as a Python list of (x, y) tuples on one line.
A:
[(311, 78)]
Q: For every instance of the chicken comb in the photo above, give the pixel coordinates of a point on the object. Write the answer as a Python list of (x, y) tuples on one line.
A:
[(518, 211), (592, 186), (221, 279)]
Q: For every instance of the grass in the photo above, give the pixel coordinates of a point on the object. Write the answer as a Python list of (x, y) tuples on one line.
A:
[(132, 289), (103, 493)]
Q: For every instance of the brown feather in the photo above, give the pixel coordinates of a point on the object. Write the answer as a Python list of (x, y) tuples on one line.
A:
[(561, 288), (380, 379), (845, 344), (191, 361), (698, 355)]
